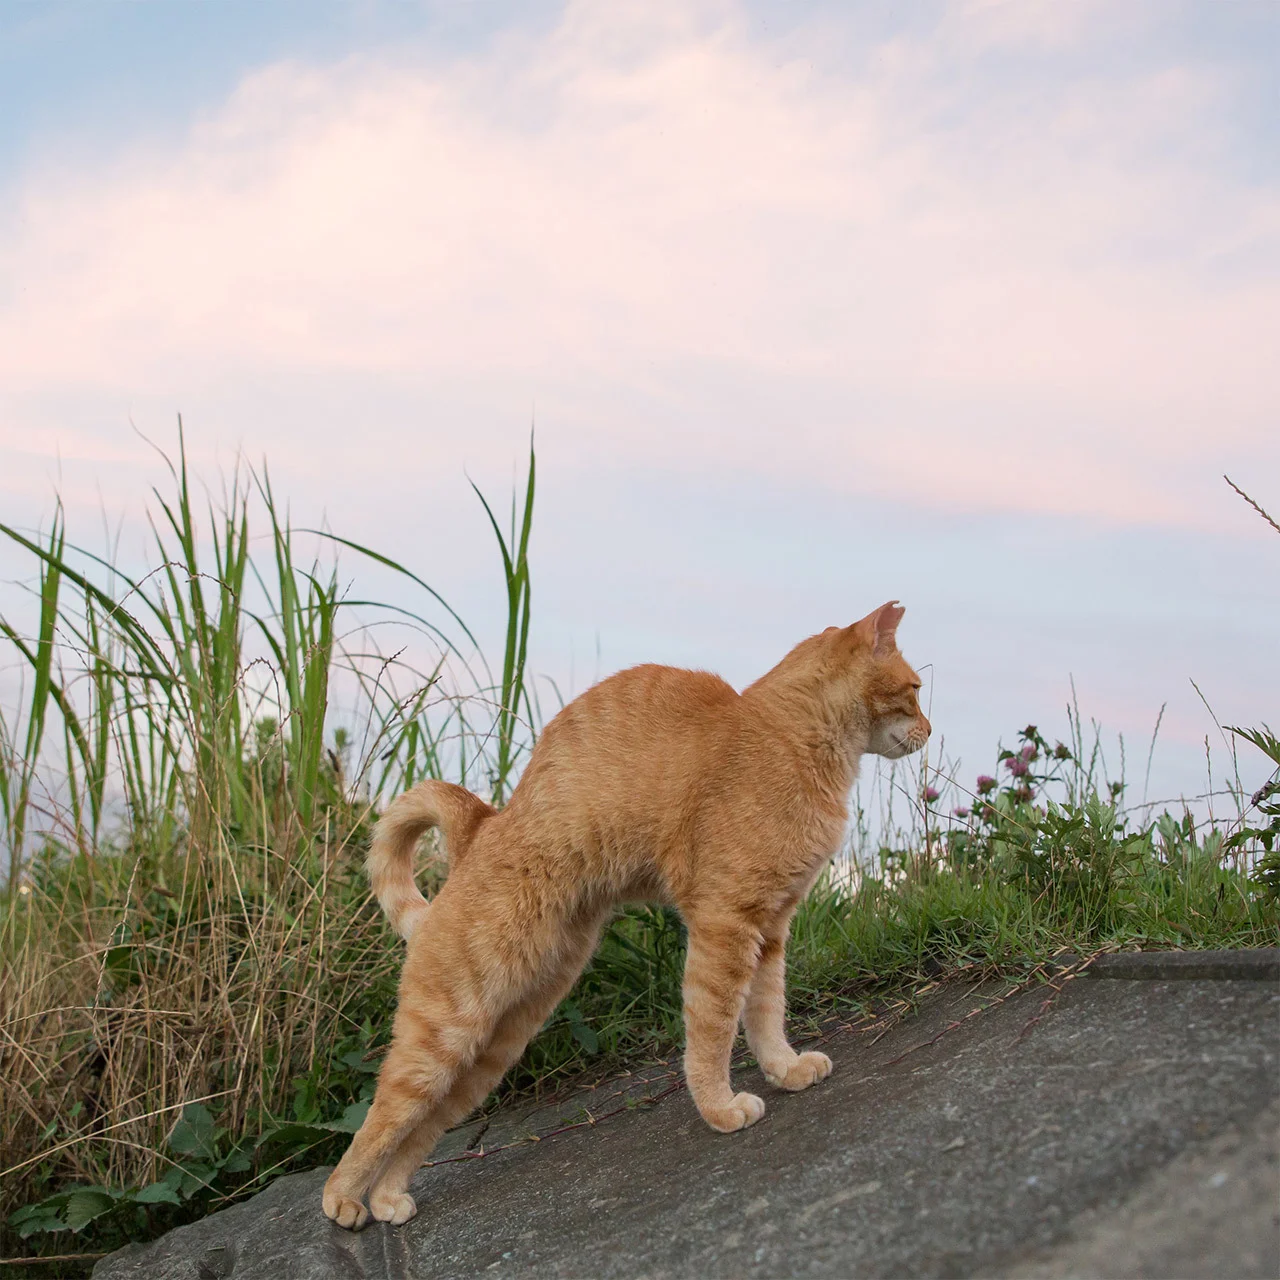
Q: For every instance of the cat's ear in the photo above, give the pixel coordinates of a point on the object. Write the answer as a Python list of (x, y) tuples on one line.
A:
[(879, 629)]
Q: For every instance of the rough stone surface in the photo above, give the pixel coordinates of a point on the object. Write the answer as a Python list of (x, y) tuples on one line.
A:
[(1217, 1203), (1073, 1133)]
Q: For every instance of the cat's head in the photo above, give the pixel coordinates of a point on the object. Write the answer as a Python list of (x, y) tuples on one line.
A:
[(866, 684), (890, 687), (865, 687)]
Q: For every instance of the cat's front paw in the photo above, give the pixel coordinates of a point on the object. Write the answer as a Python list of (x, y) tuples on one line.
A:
[(396, 1209), (805, 1069), (743, 1111), (345, 1211)]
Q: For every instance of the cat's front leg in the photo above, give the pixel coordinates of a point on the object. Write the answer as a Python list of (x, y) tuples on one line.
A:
[(718, 967), (764, 1017)]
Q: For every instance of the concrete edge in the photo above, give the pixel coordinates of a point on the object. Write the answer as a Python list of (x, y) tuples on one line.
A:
[(1261, 964)]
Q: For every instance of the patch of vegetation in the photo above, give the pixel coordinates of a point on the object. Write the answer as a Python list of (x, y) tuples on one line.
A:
[(195, 985)]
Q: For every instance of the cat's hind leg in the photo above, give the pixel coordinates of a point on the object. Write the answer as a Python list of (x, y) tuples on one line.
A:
[(764, 1018), (389, 1198), (452, 996)]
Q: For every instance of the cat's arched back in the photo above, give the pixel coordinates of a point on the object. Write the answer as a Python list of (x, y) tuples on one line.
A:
[(658, 784)]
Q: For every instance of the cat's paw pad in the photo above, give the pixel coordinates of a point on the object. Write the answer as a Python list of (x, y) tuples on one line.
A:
[(743, 1111), (807, 1069), (395, 1209), (345, 1211)]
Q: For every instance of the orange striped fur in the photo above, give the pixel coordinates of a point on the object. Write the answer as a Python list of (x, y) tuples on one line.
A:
[(656, 784)]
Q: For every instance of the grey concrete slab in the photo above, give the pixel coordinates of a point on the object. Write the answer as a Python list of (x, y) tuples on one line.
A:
[(1215, 1208), (948, 1145)]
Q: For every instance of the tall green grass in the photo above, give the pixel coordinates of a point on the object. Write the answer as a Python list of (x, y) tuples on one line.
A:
[(184, 914), (194, 983)]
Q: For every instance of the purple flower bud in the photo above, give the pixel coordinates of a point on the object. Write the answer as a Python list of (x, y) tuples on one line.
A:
[(961, 812), (1028, 752), (931, 794), (985, 783), (1017, 766)]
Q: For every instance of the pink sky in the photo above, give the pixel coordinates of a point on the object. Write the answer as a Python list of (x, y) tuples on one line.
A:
[(904, 266)]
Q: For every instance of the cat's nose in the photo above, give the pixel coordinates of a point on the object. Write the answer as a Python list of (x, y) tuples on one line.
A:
[(928, 728)]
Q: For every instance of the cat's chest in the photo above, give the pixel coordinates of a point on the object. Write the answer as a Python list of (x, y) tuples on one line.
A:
[(822, 823), (817, 841)]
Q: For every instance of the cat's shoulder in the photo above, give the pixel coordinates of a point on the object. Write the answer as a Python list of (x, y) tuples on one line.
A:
[(655, 679)]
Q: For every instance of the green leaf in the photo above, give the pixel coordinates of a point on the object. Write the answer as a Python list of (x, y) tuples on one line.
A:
[(194, 1134), (196, 1177), (352, 1119), (120, 965), (585, 1036), (85, 1205), (1262, 738), (293, 1135), (50, 1207), (157, 1193), (43, 1219)]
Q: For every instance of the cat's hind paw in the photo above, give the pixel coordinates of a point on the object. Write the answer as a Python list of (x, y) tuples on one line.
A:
[(742, 1112)]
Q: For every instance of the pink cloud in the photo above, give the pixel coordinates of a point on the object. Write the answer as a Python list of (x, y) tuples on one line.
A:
[(975, 306)]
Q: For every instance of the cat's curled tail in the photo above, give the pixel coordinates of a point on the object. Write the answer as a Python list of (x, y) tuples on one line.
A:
[(390, 864)]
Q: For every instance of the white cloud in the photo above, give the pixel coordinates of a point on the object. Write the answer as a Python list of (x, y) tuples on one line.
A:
[(1060, 300)]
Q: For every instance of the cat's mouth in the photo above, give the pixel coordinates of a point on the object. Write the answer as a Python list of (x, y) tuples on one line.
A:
[(907, 743)]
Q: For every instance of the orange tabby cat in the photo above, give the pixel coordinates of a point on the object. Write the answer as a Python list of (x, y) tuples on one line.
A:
[(656, 784)]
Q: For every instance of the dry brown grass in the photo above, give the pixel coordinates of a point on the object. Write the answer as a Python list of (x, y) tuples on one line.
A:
[(223, 980), (185, 916)]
